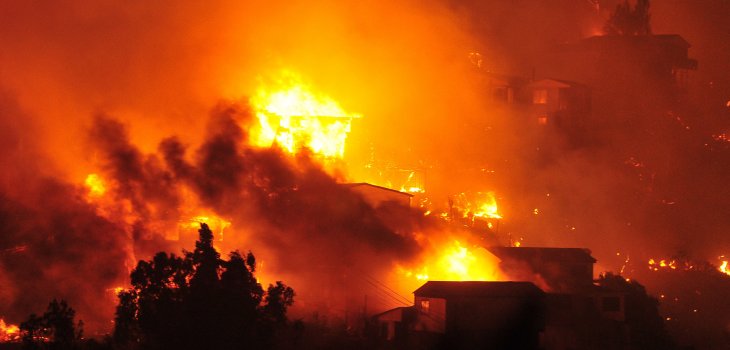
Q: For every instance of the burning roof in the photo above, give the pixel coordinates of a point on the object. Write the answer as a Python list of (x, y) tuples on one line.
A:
[(445, 289)]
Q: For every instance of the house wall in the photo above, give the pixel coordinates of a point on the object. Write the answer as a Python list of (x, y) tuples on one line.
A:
[(433, 317), (493, 314)]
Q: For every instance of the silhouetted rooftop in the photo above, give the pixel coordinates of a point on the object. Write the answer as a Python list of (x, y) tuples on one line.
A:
[(365, 184), (578, 255), (443, 289)]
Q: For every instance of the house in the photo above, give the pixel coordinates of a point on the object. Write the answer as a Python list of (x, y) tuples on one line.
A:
[(579, 314), (556, 270), (561, 103), (503, 88), (470, 315), (378, 195)]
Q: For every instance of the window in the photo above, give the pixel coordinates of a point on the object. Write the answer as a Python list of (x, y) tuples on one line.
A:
[(611, 304), (539, 96), (425, 306), (542, 120)]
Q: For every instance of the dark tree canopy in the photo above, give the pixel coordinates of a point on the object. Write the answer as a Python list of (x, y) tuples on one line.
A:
[(642, 313), (55, 330), (199, 301), (626, 20)]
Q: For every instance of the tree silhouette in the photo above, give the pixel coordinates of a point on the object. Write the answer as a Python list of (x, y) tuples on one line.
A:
[(55, 330), (199, 301), (629, 21), (646, 326)]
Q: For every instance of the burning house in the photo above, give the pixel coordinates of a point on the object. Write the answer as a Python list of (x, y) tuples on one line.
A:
[(378, 195), (552, 302)]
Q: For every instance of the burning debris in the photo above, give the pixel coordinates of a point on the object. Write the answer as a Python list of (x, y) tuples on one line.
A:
[(8, 332)]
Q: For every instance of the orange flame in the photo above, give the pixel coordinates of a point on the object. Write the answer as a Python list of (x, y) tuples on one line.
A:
[(456, 262), (723, 266), (8, 332), (95, 185), (293, 116), (478, 205)]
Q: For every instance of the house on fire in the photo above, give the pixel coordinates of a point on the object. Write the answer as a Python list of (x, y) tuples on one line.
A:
[(378, 195), (552, 304)]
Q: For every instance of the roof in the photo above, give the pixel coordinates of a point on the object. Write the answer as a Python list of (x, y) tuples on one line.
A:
[(358, 184), (558, 83), (402, 310), (444, 289), (661, 39), (577, 255)]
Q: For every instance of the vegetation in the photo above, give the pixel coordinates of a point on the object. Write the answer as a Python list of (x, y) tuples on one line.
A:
[(200, 301), (626, 20), (645, 324), (194, 301), (55, 330)]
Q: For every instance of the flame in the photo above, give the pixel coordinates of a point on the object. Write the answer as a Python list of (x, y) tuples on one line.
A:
[(723, 265), (662, 264), (8, 332), (216, 223), (456, 262), (95, 185), (293, 116), (479, 205)]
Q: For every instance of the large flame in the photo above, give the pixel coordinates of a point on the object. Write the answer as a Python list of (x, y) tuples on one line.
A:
[(8, 332), (478, 205), (293, 116), (456, 261)]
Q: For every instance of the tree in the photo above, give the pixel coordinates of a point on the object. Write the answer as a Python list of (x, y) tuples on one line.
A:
[(646, 326), (199, 301), (626, 20), (55, 330), (278, 298), (126, 329)]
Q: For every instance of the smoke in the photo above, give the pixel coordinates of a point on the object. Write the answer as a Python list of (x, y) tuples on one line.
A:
[(124, 90), (53, 244)]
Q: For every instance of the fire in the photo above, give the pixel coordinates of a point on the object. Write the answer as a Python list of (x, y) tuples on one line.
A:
[(662, 264), (293, 116), (95, 185), (723, 265), (457, 262), (8, 332), (216, 223), (480, 205)]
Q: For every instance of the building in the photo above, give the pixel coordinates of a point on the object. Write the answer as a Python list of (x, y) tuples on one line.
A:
[(377, 195), (557, 270), (579, 314), (469, 315), (561, 103)]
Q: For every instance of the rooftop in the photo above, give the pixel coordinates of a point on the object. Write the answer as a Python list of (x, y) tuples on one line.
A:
[(442, 289), (578, 255)]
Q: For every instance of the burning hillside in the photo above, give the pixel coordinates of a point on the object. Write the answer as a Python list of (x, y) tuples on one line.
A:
[(125, 126)]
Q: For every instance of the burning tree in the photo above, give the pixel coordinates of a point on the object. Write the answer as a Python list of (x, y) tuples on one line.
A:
[(199, 301)]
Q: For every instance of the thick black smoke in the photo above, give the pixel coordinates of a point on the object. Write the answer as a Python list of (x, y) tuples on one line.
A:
[(303, 223), (53, 244)]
